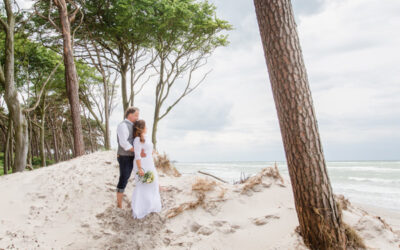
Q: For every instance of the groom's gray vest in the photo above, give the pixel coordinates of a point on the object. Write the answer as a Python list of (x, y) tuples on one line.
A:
[(121, 150)]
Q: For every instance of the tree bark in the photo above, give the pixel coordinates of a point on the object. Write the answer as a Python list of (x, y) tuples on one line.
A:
[(157, 106), (107, 143), (56, 150), (71, 78), (320, 220), (8, 146), (42, 131), (155, 126), (124, 92), (90, 133), (48, 150), (11, 94), (30, 158)]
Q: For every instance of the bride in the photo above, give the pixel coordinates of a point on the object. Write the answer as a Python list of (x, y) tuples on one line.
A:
[(146, 196)]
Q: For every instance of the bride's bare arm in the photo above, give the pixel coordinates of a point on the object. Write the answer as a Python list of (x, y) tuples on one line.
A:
[(138, 157), (139, 165)]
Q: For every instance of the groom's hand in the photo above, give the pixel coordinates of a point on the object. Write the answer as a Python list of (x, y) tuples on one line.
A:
[(143, 154), (132, 149)]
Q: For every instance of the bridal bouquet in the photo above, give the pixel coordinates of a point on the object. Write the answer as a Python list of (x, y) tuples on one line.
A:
[(148, 177)]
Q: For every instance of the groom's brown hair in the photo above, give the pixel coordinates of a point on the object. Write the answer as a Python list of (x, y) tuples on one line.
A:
[(130, 110)]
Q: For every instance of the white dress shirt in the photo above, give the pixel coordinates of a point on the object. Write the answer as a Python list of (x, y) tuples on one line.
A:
[(123, 134)]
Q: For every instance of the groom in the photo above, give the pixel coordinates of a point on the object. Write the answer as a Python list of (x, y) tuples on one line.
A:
[(125, 153)]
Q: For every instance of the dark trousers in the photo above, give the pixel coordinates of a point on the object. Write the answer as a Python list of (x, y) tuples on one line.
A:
[(125, 170)]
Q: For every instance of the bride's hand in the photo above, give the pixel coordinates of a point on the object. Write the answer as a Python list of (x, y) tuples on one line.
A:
[(141, 172)]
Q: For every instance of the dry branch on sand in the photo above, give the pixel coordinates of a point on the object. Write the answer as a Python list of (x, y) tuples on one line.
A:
[(185, 206), (216, 177), (162, 163), (271, 172), (201, 186)]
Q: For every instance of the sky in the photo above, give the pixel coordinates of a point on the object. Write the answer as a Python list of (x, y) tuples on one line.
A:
[(351, 50)]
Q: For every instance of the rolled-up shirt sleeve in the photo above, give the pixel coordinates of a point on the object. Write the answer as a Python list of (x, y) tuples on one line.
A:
[(138, 148), (123, 134)]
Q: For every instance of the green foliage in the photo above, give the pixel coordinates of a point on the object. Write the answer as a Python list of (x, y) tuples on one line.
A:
[(118, 24), (1, 163), (162, 24), (36, 162), (187, 25), (34, 62)]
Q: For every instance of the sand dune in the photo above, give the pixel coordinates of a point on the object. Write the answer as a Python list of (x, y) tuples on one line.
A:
[(71, 205)]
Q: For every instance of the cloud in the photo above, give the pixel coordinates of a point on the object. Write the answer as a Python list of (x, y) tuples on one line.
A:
[(307, 7), (201, 113), (350, 49)]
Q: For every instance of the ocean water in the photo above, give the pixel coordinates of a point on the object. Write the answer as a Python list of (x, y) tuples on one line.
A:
[(375, 183)]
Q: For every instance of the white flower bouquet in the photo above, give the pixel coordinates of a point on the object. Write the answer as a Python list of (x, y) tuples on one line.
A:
[(148, 177)]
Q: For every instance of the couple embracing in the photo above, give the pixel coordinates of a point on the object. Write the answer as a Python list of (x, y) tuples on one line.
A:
[(135, 153)]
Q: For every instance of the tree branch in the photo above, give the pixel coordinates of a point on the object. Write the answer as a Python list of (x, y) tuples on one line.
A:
[(42, 89)]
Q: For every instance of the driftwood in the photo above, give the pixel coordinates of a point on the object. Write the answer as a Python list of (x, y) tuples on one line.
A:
[(201, 172)]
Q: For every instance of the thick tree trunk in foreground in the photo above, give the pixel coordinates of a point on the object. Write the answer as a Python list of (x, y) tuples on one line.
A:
[(11, 94), (320, 221), (71, 78)]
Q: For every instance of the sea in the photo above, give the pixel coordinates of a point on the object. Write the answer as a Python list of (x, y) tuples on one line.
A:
[(372, 183)]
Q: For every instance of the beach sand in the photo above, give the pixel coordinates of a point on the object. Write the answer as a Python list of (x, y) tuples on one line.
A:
[(72, 205)]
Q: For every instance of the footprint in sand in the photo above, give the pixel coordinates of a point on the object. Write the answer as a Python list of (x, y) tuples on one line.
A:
[(195, 227), (205, 230), (264, 219), (225, 227), (219, 223)]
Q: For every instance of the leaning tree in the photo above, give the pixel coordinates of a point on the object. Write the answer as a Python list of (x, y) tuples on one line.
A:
[(61, 15), (7, 80), (320, 220)]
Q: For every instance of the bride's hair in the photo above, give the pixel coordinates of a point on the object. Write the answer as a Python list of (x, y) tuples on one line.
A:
[(138, 129)]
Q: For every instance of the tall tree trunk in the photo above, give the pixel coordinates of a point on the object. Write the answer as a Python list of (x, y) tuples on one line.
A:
[(106, 115), (71, 145), (320, 221), (30, 158), (11, 95), (132, 94), (55, 142), (5, 151), (90, 133), (123, 60), (42, 149), (155, 126), (48, 150), (7, 148), (158, 101), (124, 91), (71, 79), (63, 147), (35, 139)]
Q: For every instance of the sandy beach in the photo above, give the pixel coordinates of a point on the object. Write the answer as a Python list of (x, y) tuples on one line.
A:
[(71, 205)]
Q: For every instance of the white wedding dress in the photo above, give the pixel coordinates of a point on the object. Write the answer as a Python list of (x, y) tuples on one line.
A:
[(146, 196)]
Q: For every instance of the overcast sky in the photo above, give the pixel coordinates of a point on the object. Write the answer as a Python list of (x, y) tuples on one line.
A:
[(352, 54)]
